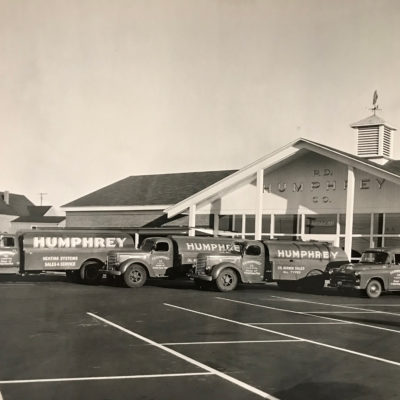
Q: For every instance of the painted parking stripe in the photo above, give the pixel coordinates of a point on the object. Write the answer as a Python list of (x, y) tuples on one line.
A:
[(311, 315), (329, 346), (233, 342), (1, 397), (340, 312), (339, 305), (214, 371), (298, 323), (103, 378)]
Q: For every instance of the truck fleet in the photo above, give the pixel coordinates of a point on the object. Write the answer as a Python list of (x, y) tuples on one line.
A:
[(223, 263)]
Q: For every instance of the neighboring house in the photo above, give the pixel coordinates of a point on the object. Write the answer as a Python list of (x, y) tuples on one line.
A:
[(39, 217), (12, 206), (18, 212)]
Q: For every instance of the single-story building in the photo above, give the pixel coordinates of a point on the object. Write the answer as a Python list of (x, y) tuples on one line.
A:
[(304, 190)]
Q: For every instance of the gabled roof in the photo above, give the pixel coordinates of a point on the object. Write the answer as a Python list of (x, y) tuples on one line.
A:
[(18, 205), (150, 190), (372, 120), (390, 171)]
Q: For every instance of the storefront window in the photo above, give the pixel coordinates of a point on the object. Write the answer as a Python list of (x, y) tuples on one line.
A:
[(321, 224), (392, 224), (250, 223), (361, 223), (286, 223), (266, 223), (225, 222)]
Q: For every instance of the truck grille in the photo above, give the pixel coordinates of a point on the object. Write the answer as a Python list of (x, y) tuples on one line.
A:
[(111, 261), (346, 279), (201, 265)]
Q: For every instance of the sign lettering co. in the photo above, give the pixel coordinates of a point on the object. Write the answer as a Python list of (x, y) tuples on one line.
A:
[(322, 181)]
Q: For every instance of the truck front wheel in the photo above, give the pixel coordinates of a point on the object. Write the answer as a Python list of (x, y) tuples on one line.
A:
[(373, 289), (227, 280), (135, 276)]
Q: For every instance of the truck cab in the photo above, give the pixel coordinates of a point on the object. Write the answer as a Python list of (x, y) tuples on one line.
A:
[(9, 254), (154, 258), (378, 271), (245, 263)]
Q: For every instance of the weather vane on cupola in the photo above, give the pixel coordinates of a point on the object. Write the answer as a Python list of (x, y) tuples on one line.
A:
[(375, 106)]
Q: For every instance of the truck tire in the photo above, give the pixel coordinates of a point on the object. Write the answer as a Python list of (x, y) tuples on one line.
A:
[(227, 280), (373, 289), (313, 283), (135, 276), (90, 273)]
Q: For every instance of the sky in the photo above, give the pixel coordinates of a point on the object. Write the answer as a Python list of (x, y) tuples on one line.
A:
[(94, 91)]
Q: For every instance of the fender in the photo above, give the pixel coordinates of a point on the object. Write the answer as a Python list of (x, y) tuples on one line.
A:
[(88, 262), (123, 266), (315, 272), (216, 270)]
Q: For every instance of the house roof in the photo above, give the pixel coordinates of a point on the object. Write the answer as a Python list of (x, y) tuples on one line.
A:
[(150, 190), (38, 210), (389, 171), (18, 205), (39, 219)]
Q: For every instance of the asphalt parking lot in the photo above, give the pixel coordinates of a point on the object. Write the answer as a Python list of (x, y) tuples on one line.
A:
[(167, 340)]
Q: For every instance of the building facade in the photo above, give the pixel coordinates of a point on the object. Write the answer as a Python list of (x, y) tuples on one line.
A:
[(305, 190)]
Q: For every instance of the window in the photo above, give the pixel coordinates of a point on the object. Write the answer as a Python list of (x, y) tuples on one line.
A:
[(321, 224), (253, 250), (286, 223), (162, 246), (7, 242), (392, 223), (397, 259)]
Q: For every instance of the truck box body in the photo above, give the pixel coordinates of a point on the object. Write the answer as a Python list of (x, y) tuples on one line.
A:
[(59, 250)]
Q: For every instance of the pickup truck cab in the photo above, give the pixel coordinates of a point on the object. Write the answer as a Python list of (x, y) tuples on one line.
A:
[(378, 271)]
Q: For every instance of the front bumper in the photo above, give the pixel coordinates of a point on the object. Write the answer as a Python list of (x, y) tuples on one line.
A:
[(195, 276), (111, 272)]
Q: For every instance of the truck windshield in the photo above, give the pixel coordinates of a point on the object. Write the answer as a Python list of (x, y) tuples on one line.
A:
[(375, 257)]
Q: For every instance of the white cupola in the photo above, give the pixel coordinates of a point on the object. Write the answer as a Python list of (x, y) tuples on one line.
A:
[(374, 140)]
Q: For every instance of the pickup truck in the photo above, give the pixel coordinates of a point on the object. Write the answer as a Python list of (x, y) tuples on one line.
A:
[(291, 264), (378, 271)]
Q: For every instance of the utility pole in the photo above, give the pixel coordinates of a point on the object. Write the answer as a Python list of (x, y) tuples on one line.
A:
[(42, 194)]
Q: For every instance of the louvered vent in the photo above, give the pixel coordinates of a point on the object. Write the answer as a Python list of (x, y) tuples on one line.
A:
[(387, 142), (368, 141)]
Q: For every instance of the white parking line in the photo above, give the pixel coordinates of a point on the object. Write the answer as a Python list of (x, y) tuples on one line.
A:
[(101, 378), (189, 360), (297, 323), (341, 312), (311, 315), (337, 305), (1, 397), (233, 342), (384, 360)]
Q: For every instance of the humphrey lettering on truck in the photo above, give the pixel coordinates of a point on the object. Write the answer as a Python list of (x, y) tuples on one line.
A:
[(160, 257), (80, 254), (290, 264)]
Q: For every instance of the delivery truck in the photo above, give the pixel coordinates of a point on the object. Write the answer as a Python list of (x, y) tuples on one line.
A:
[(291, 264), (79, 253), (162, 257)]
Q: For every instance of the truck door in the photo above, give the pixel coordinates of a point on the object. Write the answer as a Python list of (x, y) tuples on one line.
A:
[(161, 257), (253, 262), (9, 257), (394, 272)]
